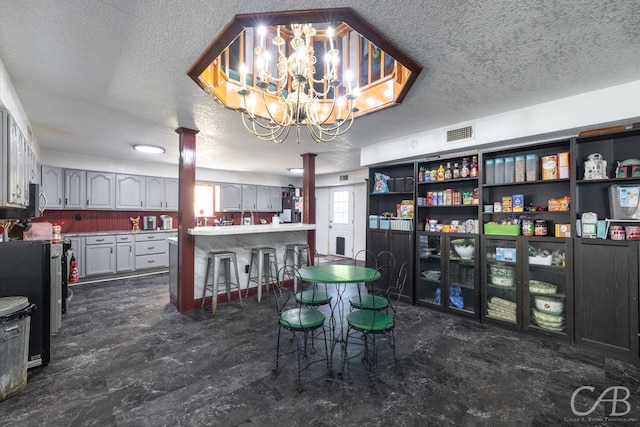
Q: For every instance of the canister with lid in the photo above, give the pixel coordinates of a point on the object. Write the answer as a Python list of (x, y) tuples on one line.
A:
[(489, 172), (520, 169), (527, 227), (509, 170), (532, 167), (549, 167), (499, 171)]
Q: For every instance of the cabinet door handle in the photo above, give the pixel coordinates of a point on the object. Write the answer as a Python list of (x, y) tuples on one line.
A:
[(99, 240), (151, 261), (130, 249), (87, 202), (150, 247), (111, 250), (66, 201), (60, 201), (140, 203)]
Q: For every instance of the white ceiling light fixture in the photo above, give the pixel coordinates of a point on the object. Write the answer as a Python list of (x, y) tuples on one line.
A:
[(297, 171), (146, 148)]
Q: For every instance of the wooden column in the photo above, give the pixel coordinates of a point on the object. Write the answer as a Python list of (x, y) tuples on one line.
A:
[(309, 198), (186, 217)]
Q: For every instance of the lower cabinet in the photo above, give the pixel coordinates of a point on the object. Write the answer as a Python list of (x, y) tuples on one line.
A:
[(100, 256), (125, 255), (528, 283), (606, 293), (152, 250), (77, 245), (448, 271), (400, 244)]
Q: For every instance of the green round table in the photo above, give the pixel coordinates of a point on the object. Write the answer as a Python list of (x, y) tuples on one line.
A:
[(338, 273)]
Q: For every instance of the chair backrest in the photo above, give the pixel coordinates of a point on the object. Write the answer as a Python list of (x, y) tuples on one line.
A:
[(399, 280), (281, 292), (370, 259)]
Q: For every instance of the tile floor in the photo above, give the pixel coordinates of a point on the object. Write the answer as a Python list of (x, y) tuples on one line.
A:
[(126, 357)]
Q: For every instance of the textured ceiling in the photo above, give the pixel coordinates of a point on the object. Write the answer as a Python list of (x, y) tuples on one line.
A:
[(97, 76)]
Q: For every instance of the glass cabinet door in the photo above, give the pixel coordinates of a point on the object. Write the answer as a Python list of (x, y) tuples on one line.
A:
[(461, 283), (431, 277), (500, 281), (545, 290)]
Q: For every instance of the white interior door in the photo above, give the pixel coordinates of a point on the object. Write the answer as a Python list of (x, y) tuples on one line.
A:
[(341, 221)]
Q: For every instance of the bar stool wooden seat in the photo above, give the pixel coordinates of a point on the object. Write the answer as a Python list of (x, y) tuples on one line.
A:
[(221, 261), (263, 258)]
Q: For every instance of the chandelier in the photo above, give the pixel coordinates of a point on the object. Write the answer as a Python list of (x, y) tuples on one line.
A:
[(293, 96)]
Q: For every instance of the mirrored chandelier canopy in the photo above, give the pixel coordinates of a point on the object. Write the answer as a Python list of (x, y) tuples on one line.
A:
[(293, 96)]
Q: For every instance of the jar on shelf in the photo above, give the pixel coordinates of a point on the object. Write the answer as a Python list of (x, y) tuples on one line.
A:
[(499, 171), (540, 227), (520, 169), (527, 227), (509, 170), (489, 171)]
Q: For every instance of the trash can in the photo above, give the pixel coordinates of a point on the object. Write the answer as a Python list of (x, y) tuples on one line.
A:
[(15, 320)]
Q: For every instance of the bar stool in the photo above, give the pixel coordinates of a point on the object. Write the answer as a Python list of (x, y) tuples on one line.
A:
[(225, 258), (262, 258), (294, 255)]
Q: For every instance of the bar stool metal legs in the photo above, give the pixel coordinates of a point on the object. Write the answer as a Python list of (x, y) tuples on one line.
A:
[(263, 259), (296, 255), (225, 259)]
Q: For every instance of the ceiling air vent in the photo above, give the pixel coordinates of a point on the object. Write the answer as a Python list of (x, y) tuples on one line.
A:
[(460, 134), (344, 177)]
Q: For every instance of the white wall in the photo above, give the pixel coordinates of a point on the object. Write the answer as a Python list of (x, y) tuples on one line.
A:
[(617, 105)]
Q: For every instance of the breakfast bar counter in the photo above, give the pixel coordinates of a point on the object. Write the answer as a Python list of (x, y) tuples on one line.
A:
[(240, 239)]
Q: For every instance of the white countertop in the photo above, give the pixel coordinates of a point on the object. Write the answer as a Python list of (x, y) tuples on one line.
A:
[(248, 229)]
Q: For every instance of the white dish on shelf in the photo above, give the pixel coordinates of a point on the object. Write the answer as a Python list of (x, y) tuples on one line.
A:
[(540, 287), (465, 252), (549, 305)]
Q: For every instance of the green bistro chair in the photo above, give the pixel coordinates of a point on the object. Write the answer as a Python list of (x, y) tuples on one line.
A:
[(371, 323), (302, 322)]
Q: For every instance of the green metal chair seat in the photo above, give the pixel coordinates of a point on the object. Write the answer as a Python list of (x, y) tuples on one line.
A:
[(313, 297), (369, 302), (370, 321), (301, 319)]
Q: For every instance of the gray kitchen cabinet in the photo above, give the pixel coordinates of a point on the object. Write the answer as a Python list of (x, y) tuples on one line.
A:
[(13, 175), (171, 190), (130, 192), (161, 194), (151, 250), (125, 254), (52, 185), (249, 197), (268, 199), (77, 245), (74, 189), (100, 256), (100, 190), (229, 198)]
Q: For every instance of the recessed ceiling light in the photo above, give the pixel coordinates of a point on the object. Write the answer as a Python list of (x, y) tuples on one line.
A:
[(296, 170), (155, 149)]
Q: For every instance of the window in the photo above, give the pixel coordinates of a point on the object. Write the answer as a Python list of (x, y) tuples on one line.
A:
[(203, 203), (341, 207)]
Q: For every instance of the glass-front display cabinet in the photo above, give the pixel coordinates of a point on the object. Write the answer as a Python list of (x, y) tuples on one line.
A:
[(449, 272), (430, 268), (548, 294), (501, 300)]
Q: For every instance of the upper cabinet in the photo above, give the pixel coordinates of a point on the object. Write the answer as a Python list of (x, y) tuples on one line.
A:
[(100, 190), (52, 185), (75, 189), (130, 192), (249, 197), (268, 199), (161, 194), (15, 156), (229, 198)]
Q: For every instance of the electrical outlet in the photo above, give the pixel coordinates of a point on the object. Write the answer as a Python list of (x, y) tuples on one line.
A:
[(78, 217), (246, 269)]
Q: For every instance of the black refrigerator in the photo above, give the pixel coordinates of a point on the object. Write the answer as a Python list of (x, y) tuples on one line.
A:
[(25, 271)]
